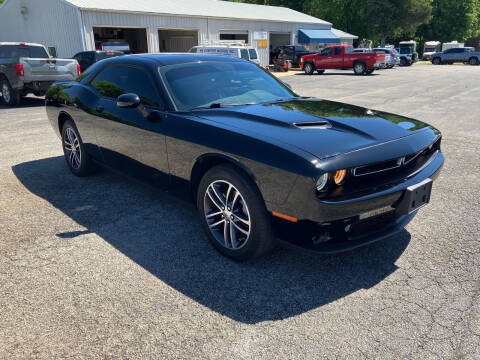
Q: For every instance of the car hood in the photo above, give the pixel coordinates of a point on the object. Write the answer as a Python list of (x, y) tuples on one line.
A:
[(322, 128)]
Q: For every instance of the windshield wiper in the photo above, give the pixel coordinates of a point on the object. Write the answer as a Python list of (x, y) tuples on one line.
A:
[(211, 106)]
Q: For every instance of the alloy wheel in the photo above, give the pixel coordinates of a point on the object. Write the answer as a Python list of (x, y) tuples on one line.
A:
[(359, 68), (6, 93), (227, 214), (72, 148)]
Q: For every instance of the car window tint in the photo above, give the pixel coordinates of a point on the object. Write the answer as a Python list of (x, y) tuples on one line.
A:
[(117, 80), (193, 50), (253, 54), (338, 51), (226, 83), (326, 52), (13, 51), (244, 54), (38, 52)]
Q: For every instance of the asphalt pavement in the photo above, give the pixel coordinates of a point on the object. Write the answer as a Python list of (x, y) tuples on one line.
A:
[(105, 268)]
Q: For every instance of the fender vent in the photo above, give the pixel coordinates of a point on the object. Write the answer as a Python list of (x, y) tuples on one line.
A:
[(313, 125)]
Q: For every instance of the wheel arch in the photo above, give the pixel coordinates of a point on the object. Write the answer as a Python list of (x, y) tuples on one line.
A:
[(207, 161), (62, 117)]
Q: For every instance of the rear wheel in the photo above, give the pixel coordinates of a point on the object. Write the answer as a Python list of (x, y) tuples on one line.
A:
[(308, 68), (10, 96), (233, 214), (437, 61), (76, 157), (359, 68), (473, 61)]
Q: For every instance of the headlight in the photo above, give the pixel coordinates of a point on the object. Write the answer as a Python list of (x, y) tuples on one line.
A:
[(339, 176), (322, 182)]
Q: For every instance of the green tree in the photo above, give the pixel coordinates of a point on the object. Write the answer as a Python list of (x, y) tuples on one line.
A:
[(1, 2), (452, 20)]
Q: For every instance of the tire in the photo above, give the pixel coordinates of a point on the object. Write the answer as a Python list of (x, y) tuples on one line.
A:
[(77, 160), (320, 72), (359, 68), (436, 61), (252, 237), (10, 96), (308, 68), (473, 61)]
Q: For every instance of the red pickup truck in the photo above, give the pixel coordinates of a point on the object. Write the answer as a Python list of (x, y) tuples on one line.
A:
[(341, 57)]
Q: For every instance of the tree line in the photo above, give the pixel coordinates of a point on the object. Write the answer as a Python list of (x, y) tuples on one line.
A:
[(388, 21)]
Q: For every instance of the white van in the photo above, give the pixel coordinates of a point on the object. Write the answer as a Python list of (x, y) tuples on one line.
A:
[(239, 51)]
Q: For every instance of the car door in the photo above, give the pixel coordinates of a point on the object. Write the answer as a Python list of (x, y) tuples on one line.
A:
[(129, 140), (448, 55), (336, 62), (323, 59)]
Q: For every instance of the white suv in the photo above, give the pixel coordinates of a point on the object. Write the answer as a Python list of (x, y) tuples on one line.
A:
[(240, 51)]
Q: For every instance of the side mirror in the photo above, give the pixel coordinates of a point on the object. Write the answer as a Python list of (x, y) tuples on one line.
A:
[(128, 101)]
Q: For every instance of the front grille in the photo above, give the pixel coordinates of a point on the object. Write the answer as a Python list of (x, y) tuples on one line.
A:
[(418, 158)]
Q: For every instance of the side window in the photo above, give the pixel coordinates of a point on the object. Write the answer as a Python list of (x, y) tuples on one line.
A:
[(338, 51), (326, 52), (117, 80), (193, 50), (244, 54), (253, 54), (449, 51)]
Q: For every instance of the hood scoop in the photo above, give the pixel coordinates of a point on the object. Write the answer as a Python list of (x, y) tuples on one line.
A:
[(313, 125)]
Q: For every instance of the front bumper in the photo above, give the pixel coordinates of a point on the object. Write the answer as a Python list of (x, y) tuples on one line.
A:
[(318, 216)]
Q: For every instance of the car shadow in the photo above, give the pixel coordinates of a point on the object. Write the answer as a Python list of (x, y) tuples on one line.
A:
[(26, 102), (162, 234)]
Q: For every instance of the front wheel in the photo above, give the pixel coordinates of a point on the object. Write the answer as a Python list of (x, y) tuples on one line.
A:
[(10, 96), (473, 61), (436, 61), (359, 68), (233, 214), (308, 69), (76, 157)]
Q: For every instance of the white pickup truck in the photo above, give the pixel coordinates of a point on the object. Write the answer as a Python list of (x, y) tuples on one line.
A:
[(26, 68)]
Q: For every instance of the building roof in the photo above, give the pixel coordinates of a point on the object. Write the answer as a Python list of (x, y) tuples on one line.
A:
[(200, 8), (343, 35)]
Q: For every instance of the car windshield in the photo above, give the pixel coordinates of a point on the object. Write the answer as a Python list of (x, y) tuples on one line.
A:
[(221, 84)]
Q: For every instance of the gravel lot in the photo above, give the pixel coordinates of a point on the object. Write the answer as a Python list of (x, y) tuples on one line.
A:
[(102, 268)]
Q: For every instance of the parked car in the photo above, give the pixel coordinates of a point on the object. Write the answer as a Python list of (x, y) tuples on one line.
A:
[(466, 55), (408, 52), (115, 45), (342, 57), (430, 48), (27, 68), (88, 58), (391, 56), (290, 53), (239, 51), (260, 162)]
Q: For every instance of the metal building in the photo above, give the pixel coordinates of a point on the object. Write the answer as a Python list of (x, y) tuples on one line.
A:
[(69, 26)]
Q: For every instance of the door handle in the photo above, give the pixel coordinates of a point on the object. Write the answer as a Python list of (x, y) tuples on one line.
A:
[(100, 109)]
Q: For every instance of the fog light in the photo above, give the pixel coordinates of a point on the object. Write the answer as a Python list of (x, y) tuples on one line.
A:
[(322, 182), (340, 176)]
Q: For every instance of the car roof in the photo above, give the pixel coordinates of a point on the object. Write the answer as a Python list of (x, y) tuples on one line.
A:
[(20, 44), (165, 59)]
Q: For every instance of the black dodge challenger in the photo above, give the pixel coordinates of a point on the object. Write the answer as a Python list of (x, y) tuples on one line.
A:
[(262, 164)]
